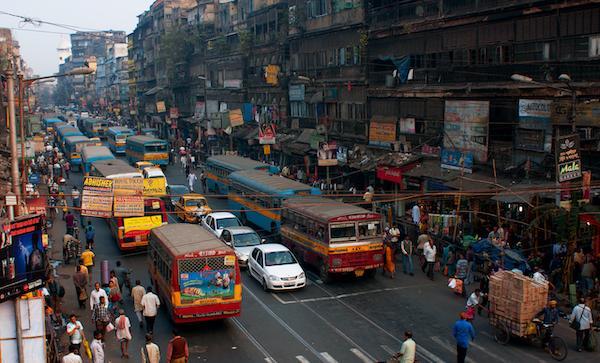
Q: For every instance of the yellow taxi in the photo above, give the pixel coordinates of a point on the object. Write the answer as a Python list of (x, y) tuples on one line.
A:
[(191, 207), (141, 165)]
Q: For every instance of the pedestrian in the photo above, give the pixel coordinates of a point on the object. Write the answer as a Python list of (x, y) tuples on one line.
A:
[(97, 347), (80, 282), (101, 315), (115, 280), (75, 196), (114, 297), (96, 294), (122, 325), (390, 263), (73, 356), (581, 320), (177, 350), (421, 241), (56, 291), (150, 304), (429, 252), (472, 304), (62, 203), (203, 181), (90, 233), (416, 214), (150, 351), (123, 277), (67, 168), (85, 270), (137, 293), (87, 257), (470, 264), (191, 178), (70, 245), (75, 331), (588, 271), (408, 349), (463, 333), (406, 247), (461, 273), (395, 236), (70, 222), (183, 160)]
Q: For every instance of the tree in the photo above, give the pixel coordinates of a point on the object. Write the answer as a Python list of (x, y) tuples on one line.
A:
[(176, 47)]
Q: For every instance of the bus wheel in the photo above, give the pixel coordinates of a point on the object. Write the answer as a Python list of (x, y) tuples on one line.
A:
[(324, 274)]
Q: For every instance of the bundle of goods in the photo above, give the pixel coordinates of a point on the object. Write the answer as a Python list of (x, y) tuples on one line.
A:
[(515, 299)]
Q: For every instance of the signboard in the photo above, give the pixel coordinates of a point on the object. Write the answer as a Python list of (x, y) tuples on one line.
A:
[(196, 287), (534, 115), (146, 223), (457, 160), (232, 83), (266, 134), (128, 197), (160, 107), (407, 125), (382, 132), (390, 173), (97, 197), (568, 160), (199, 110), (430, 150), (587, 113), (327, 154), (174, 112), (466, 127), (296, 92), (342, 155), (271, 74), (236, 118), (155, 187), (22, 256)]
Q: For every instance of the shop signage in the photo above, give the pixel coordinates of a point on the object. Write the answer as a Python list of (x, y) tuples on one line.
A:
[(382, 132), (407, 125), (568, 160), (296, 92), (232, 83), (390, 173), (466, 127), (535, 125), (271, 74), (174, 112), (533, 140), (327, 154), (457, 160), (97, 197), (586, 113), (236, 118), (160, 107), (266, 134), (430, 150)]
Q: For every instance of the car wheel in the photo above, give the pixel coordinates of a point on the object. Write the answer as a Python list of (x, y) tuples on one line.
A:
[(264, 285)]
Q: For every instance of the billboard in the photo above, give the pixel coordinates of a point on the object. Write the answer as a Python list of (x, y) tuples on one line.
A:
[(466, 127), (22, 256), (535, 125), (97, 197), (382, 132), (457, 160), (327, 154), (196, 287), (266, 134), (128, 197), (568, 160)]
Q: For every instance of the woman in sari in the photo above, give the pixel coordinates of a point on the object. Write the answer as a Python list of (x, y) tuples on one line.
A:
[(390, 259)]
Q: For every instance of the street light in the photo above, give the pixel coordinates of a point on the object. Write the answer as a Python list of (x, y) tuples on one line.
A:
[(521, 78)]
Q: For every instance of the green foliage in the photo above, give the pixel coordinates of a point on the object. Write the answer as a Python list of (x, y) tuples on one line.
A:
[(176, 46), (246, 40)]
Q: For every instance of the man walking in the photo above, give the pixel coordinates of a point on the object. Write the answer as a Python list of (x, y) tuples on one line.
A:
[(90, 233), (75, 331), (191, 178), (150, 351), (137, 293), (80, 282), (177, 351), (406, 246), (582, 316), (96, 294), (101, 315), (87, 257), (430, 252), (122, 277), (70, 222), (97, 348), (75, 195), (203, 181), (463, 333), (408, 349), (150, 304)]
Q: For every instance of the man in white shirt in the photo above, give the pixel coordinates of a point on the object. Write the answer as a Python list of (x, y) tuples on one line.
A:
[(582, 314), (191, 180), (416, 214), (150, 304), (72, 357), (430, 251), (150, 351), (137, 293), (408, 349), (96, 294), (97, 348), (75, 331)]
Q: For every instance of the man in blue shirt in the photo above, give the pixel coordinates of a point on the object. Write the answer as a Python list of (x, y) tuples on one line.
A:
[(463, 333), (90, 233)]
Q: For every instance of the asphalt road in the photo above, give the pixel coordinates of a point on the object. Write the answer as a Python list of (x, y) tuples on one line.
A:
[(349, 320)]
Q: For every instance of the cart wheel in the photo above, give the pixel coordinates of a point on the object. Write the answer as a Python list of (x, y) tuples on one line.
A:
[(501, 333), (557, 348)]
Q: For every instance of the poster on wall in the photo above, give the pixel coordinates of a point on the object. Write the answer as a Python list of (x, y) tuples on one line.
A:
[(327, 153), (535, 125), (266, 134), (407, 125), (568, 160), (97, 197), (466, 127), (160, 107), (457, 160), (382, 132)]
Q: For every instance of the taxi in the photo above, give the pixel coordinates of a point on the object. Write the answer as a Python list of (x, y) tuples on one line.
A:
[(141, 165), (191, 207)]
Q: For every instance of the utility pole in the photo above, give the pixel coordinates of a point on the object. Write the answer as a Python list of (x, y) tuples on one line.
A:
[(22, 132), (14, 164)]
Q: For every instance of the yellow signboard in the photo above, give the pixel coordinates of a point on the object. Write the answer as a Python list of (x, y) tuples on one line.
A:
[(155, 187), (141, 223)]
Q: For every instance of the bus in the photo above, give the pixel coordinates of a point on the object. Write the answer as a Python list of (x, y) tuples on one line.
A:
[(148, 131), (90, 154), (219, 167), (49, 124), (114, 168), (116, 137), (196, 274), (333, 236), (256, 196), (93, 127), (64, 131), (132, 233), (147, 148), (73, 145)]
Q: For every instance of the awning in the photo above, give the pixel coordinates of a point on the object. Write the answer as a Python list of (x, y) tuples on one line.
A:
[(432, 169), (153, 91), (305, 136), (296, 148)]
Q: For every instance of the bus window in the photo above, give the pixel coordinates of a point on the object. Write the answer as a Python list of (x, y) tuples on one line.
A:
[(155, 148), (342, 232), (369, 229)]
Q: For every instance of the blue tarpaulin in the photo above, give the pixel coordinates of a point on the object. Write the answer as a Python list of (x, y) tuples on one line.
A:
[(247, 112), (512, 258)]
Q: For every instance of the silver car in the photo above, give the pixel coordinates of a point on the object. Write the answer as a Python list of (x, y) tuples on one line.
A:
[(243, 240)]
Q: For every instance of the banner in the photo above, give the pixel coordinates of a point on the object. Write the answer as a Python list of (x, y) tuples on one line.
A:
[(128, 197), (266, 134), (568, 161), (535, 125), (97, 197), (141, 223), (173, 112), (199, 110), (407, 125), (236, 118), (466, 127), (196, 287), (155, 187), (271, 74), (382, 132), (327, 154), (160, 107), (457, 160)]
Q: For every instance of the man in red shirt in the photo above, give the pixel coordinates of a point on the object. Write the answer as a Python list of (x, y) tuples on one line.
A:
[(70, 221), (177, 351)]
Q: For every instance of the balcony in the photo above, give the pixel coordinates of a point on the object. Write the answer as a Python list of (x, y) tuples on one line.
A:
[(344, 17)]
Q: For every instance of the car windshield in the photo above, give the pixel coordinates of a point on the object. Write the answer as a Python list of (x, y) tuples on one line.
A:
[(228, 222), (195, 203), (246, 239), (178, 190), (279, 258)]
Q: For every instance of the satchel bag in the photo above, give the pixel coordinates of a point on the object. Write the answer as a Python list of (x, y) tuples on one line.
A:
[(576, 323)]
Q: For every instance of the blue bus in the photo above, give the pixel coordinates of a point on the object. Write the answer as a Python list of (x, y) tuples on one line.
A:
[(149, 131), (89, 154), (219, 167), (65, 131), (93, 127), (256, 196), (116, 137), (49, 123), (73, 147), (147, 148)]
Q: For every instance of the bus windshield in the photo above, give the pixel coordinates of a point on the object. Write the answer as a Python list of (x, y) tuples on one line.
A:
[(343, 232), (121, 136), (279, 258), (369, 229)]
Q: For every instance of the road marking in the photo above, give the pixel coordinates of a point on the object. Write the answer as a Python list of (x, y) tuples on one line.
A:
[(328, 358), (387, 349), (362, 356), (530, 356), (424, 353), (487, 351), (301, 359), (254, 341), (446, 345), (286, 326)]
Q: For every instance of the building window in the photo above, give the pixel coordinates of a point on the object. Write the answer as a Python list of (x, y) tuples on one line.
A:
[(298, 109), (317, 8), (594, 46), (539, 51)]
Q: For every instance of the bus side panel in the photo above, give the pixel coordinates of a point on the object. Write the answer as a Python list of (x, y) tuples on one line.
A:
[(301, 251), (247, 210)]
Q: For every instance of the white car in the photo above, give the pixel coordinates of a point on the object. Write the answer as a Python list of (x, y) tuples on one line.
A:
[(215, 222), (243, 240), (275, 267)]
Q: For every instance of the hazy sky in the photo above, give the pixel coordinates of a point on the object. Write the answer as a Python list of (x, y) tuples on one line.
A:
[(39, 49)]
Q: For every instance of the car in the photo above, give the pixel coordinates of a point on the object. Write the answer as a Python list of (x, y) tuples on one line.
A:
[(141, 165), (243, 240), (174, 191), (191, 207), (276, 267), (215, 222)]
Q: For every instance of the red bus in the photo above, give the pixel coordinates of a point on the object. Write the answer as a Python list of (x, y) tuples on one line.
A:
[(134, 232), (333, 236), (196, 275)]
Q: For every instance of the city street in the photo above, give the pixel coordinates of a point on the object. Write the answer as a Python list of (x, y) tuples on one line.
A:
[(349, 320)]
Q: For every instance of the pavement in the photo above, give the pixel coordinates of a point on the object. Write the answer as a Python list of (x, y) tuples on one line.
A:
[(349, 320)]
